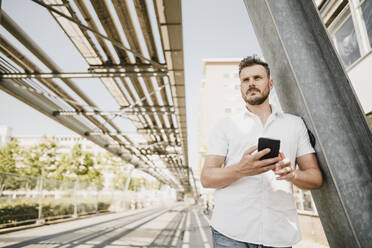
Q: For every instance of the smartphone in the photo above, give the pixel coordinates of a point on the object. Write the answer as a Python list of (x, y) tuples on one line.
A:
[(273, 144)]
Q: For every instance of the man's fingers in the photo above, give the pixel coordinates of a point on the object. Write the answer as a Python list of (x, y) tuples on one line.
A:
[(261, 153), (289, 176), (251, 150), (284, 171), (268, 161), (282, 164), (267, 168)]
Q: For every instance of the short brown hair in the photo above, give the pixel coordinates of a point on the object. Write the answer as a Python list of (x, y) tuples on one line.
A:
[(253, 60)]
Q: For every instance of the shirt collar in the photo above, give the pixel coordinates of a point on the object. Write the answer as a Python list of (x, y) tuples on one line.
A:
[(275, 110)]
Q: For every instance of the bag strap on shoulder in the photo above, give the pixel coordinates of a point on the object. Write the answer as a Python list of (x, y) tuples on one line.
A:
[(311, 135)]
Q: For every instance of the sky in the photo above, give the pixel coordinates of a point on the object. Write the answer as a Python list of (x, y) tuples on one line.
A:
[(211, 29)]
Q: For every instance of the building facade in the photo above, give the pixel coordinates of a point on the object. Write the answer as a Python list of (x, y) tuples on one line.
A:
[(5, 132), (64, 142), (219, 97), (349, 25)]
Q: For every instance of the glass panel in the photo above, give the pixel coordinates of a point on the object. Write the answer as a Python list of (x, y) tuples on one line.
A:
[(307, 201), (346, 43), (324, 6), (367, 15)]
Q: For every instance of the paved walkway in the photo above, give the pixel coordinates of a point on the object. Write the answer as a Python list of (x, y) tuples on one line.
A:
[(178, 226)]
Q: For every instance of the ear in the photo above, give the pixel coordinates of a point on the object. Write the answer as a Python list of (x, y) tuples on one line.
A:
[(271, 84)]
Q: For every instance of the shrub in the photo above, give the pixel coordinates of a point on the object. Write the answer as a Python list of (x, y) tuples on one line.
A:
[(12, 213)]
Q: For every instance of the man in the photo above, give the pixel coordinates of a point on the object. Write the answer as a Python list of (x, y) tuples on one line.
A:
[(254, 205)]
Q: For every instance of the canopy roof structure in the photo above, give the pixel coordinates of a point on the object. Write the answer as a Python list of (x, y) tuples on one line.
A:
[(135, 49)]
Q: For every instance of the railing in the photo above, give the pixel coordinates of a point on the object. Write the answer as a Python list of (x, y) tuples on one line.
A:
[(36, 200)]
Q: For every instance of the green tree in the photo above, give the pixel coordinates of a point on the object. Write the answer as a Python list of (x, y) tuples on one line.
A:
[(40, 159), (79, 165), (112, 164), (8, 157)]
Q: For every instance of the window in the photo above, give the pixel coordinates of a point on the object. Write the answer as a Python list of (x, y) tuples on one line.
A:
[(307, 203), (367, 16), (350, 26), (322, 5), (304, 201), (345, 39)]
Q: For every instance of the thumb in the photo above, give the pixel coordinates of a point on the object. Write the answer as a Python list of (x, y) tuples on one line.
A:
[(281, 155)]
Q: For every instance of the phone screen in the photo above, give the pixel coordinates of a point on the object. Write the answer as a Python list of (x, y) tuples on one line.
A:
[(273, 144)]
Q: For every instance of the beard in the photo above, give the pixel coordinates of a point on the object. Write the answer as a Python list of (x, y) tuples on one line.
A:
[(258, 99)]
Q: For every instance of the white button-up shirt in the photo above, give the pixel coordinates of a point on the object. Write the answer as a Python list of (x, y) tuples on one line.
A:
[(258, 209)]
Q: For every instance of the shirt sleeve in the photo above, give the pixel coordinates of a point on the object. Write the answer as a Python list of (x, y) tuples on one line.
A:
[(303, 143), (218, 143)]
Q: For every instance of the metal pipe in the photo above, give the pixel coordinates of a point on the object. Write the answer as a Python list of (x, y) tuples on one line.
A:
[(103, 113), (80, 4), (122, 66), (145, 24), (140, 130), (47, 107), (20, 35), (115, 43), (84, 74)]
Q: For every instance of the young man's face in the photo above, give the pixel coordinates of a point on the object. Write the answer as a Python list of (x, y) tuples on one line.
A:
[(255, 84)]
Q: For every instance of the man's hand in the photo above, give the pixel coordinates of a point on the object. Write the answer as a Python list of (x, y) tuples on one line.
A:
[(284, 170), (215, 176), (250, 164), (307, 176)]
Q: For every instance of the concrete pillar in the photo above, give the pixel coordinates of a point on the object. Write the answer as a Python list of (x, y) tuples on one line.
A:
[(310, 81)]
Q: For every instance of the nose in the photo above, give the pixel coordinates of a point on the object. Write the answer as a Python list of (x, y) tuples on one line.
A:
[(251, 83)]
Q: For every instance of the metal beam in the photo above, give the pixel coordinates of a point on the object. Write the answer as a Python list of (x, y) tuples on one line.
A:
[(84, 74), (310, 81), (46, 106), (109, 82), (169, 11), (114, 42), (139, 107), (139, 130), (117, 113), (122, 66)]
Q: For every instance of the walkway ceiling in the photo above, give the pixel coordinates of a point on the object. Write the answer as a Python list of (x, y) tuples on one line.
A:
[(135, 49)]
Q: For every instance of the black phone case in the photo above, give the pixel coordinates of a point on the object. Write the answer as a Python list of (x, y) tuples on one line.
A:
[(273, 144)]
